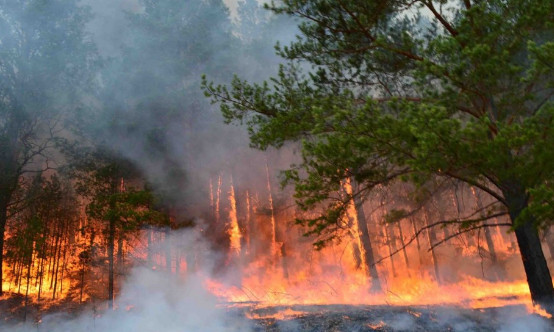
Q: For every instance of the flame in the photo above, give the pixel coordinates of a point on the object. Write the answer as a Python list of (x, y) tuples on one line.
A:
[(337, 274), (273, 247), (217, 198), (284, 314), (353, 216), (234, 231), (332, 275)]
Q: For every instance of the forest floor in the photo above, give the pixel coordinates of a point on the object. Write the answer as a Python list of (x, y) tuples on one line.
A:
[(356, 318), (258, 317)]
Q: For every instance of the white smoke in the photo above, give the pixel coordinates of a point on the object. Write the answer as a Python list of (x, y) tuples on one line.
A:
[(155, 300)]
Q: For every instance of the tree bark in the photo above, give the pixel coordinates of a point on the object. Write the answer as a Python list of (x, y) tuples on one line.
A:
[(403, 243), (534, 262), (369, 256), (388, 241), (432, 237), (167, 245), (111, 244), (3, 220), (498, 273)]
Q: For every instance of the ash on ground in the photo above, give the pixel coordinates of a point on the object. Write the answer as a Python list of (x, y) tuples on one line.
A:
[(356, 318)]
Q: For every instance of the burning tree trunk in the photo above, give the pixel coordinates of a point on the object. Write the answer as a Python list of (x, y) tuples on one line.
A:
[(149, 246), (234, 230), (3, 220), (366, 249), (414, 229), (432, 237), (168, 246), (212, 203), (388, 242), (111, 240), (249, 222), (29, 265), (218, 199), (120, 250), (403, 244), (273, 230)]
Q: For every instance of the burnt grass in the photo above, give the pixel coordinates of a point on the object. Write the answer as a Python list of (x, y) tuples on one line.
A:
[(360, 318), (256, 317)]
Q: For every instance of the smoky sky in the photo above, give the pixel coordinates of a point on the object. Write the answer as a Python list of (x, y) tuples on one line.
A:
[(156, 114)]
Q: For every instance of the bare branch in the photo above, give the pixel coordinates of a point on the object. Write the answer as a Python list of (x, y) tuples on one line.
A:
[(448, 222)]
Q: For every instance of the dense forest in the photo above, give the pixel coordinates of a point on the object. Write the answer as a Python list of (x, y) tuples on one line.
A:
[(297, 152)]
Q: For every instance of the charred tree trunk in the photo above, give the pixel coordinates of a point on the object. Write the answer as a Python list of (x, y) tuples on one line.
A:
[(356, 253), (177, 261), (64, 265), (369, 256), (432, 237), (29, 264), (111, 240), (249, 223), (149, 246), (414, 229), (167, 245), (534, 263), (488, 235), (3, 221), (388, 241), (120, 250), (403, 244)]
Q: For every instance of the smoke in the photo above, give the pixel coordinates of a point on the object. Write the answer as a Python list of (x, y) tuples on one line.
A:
[(156, 300), (153, 111)]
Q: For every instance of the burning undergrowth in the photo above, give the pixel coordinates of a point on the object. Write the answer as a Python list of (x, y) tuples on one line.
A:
[(205, 297), (247, 266)]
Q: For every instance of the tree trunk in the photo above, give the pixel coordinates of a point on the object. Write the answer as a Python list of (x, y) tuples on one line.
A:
[(149, 247), (120, 251), (414, 229), (3, 220), (369, 256), (432, 237), (403, 244), (498, 274), (27, 291), (111, 244), (549, 239), (388, 241), (534, 263), (167, 245)]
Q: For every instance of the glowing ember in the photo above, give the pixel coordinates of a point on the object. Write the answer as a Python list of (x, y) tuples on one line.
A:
[(284, 314)]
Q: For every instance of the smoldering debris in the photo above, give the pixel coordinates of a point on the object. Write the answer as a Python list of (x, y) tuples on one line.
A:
[(395, 318)]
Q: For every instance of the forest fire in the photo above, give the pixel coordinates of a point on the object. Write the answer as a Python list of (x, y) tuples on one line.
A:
[(391, 168), (337, 275), (270, 264)]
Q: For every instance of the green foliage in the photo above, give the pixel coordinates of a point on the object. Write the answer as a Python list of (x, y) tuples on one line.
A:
[(103, 179), (410, 91), (51, 206)]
